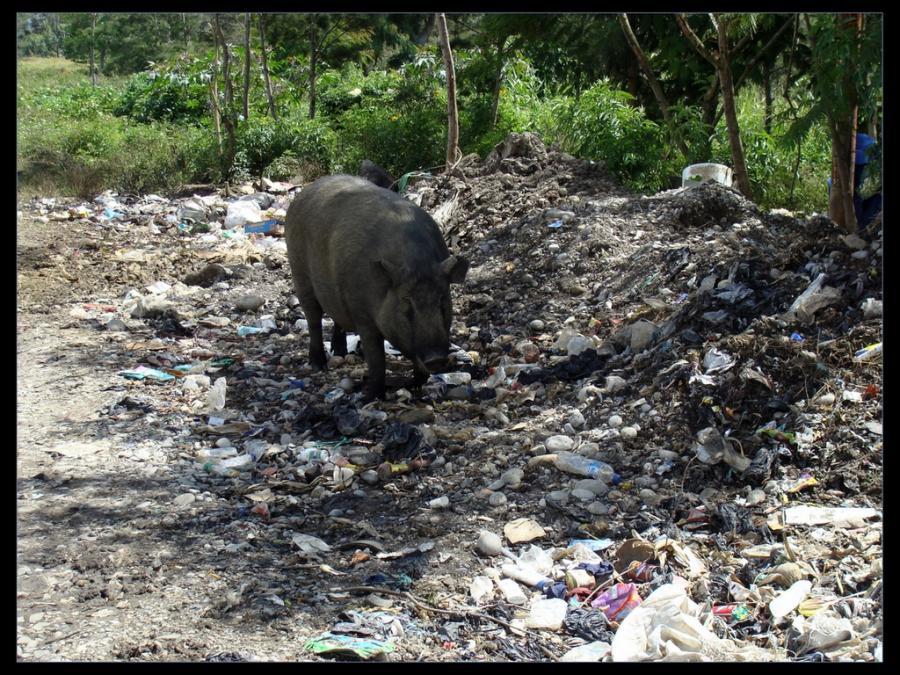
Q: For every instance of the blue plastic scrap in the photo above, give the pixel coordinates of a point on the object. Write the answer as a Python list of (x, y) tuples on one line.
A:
[(142, 372)]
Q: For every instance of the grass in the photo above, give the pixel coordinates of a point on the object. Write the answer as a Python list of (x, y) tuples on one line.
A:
[(68, 142)]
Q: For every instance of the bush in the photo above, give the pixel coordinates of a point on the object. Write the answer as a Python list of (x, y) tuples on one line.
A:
[(157, 158), (81, 101), (176, 95), (338, 91), (771, 158), (263, 141), (84, 157), (411, 138), (602, 125)]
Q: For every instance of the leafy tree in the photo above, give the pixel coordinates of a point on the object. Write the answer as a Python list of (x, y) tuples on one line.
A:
[(846, 80), (721, 60), (39, 34), (453, 153)]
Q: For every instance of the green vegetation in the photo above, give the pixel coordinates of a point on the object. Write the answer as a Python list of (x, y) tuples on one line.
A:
[(347, 87)]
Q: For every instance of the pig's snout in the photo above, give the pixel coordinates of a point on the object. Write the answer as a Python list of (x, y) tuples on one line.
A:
[(435, 361)]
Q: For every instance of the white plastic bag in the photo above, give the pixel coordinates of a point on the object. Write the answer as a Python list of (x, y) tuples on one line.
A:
[(216, 396), (666, 627), (241, 212)]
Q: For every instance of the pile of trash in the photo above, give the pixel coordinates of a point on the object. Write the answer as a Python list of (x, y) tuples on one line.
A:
[(668, 405)]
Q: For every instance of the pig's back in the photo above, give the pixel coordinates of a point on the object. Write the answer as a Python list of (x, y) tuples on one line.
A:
[(339, 225)]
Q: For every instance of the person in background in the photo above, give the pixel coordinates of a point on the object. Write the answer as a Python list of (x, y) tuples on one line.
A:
[(866, 209)]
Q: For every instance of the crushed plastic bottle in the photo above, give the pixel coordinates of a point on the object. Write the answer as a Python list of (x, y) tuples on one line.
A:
[(216, 454), (312, 455), (582, 466), (454, 378), (229, 466), (867, 353), (215, 398)]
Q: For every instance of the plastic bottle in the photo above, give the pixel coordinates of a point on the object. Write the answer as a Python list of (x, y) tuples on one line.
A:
[(229, 466), (528, 577), (216, 454), (867, 353), (454, 378), (582, 466), (312, 454), (215, 398)]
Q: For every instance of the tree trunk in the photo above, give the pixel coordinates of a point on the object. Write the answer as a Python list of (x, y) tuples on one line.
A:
[(734, 132), (498, 82), (93, 69), (749, 67), (634, 75), (495, 95), (453, 153), (247, 57), (265, 67), (651, 79), (710, 104), (843, 142), (840, 204), (313, 59), (228, 118), (767, 92), (214, 93), (57, 34)]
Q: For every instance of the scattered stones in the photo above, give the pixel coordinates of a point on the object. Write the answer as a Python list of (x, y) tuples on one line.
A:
[(489, 543), (559, 444), (497, 499), (595, 355), (185, 499), (249, 303)]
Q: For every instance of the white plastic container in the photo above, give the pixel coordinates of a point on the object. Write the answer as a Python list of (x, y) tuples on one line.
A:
[(788, 600), (529, 577), (708, 171)]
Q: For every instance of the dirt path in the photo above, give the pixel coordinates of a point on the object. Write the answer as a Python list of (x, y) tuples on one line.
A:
[(107, 569)]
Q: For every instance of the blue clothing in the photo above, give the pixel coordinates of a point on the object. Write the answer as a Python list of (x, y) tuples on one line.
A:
[(868, 208), (863, 143)]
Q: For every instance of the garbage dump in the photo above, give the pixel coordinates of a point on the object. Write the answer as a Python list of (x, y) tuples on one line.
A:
[(658, 436)]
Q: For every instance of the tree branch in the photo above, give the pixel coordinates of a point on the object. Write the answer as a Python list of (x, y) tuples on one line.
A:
[(753, 62), (694, 40), (762, 51), (334, 26), (632, 40)]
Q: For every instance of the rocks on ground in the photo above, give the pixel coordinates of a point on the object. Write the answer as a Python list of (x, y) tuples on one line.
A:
[(725, 361)]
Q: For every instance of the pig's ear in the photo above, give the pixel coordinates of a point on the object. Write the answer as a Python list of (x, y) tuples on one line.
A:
[(455, 267), (396, 273)]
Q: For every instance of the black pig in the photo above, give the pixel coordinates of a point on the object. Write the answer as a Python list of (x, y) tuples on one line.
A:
[(375, 174), (375, 263)]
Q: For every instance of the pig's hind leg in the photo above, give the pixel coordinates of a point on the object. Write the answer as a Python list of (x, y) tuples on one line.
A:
[(313, 312), (419, 377), (373, 347), (338, 341)]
